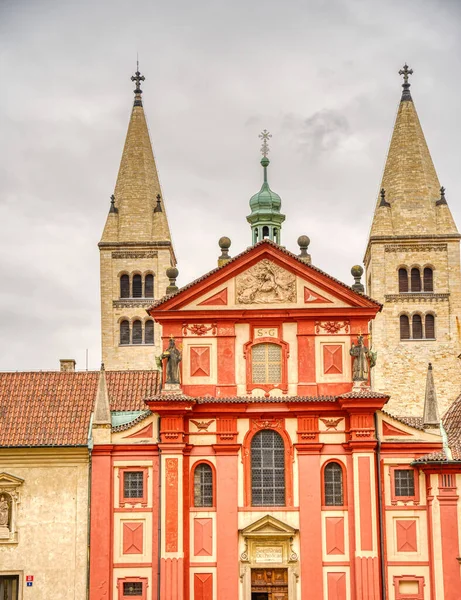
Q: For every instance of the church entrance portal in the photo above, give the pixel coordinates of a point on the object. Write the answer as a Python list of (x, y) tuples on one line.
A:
[(269, 584)]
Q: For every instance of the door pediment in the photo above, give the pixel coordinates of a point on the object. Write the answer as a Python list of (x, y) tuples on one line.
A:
[(268, 527)]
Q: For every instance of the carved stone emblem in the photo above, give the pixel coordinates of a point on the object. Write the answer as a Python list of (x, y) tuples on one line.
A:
[(332, 327), (266, 283), (331, 423)]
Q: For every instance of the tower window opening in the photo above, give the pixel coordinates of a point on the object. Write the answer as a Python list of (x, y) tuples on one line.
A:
[(124, 286), (417, 327), (137, 286), (149, 286), (403, 280), (428, 280), (415, 280), (255, 236), (124, 332), (404, 327), (149, 332), (429, 327), (265, 231), (276, 235), (137, 332)]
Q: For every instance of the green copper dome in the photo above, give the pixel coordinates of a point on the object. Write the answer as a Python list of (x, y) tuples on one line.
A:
[(265, 218)]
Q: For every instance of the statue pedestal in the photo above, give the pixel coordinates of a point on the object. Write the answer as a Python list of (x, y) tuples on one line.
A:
[(4, 532), (170, 389), (360, 386)]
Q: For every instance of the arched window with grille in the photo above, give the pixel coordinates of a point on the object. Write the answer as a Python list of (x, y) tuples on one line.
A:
[(429, 327), (428, 280), (403, 280), (333, 488), (149, 332), (136, 333), (203, 485), (415, 280), (124, 286), (137, 286), (404, 327), (417, 327), (124, 332), (149, 286), (266, 363), (267, 469)]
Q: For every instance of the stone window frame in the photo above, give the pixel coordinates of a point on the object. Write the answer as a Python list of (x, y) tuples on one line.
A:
[(120, 586), (405, 499), (193, 506), (423, 316), (9, 486), (130, 321), (340, 464), (397, 579), (142, 500), (131, 275)]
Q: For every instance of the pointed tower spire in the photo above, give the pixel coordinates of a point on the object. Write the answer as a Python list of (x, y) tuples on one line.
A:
[(431, 411), (410, 181), (101, 415), (265, 218)]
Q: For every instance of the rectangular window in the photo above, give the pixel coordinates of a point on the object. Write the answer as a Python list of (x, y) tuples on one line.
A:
[(404, 482), (266, 363), (133, 484), (132, 588)]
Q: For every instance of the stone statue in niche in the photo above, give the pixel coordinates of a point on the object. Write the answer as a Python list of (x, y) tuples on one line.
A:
[(173, 357), (265, 283), (364, 360), (4, 517)]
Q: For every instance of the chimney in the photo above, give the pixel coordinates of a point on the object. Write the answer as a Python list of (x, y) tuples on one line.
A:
[(67, 365)]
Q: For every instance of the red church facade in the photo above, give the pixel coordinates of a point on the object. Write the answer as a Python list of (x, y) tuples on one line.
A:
[(269, 473)]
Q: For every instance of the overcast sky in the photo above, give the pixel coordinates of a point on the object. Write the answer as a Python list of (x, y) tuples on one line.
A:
[(321, 76)]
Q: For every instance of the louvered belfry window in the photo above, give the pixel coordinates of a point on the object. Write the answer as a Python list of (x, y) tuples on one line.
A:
[(136, 333), (266, 363), (333, 482), (430, 327), (124, 332), (149, 332), (267, 469), (149, 286), (404, 327), (203, 486), (403, 280), (417, 327), (124, 286), (404, 482), (415, 280), (137, 286), (428, 280)]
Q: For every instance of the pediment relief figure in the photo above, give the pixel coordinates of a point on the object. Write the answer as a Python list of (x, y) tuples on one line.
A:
[(265, 283)]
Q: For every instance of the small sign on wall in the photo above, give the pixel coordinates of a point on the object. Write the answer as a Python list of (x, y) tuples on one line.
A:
[(29, 580)]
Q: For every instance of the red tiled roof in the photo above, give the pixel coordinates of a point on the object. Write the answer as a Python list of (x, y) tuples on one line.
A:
[(239, 399), (452, 424), (364, 394), (54, 408), (415, 422)]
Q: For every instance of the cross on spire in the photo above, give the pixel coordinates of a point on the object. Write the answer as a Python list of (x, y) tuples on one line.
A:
[(265, 137), (137, 77), (405, 71)]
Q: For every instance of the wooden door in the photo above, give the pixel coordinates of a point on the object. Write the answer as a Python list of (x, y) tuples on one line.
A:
[(269, 584)]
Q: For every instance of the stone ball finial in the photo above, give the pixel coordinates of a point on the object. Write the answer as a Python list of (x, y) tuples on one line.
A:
[(172, 272), (357, 271), (224, 243), (304, 241)]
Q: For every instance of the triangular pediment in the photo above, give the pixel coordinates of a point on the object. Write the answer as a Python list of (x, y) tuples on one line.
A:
[(407, 427), (8, 480), (268, 527), (265, 276)]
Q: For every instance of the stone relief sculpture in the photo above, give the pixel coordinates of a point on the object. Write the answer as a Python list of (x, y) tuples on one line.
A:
[(4, 512), (266, 283), (173, 357), (364, 360)]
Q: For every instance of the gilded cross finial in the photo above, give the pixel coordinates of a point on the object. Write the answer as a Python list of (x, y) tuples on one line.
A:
[(265, 137), (137, 77)]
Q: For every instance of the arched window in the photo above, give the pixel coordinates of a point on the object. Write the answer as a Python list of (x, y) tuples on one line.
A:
[(404, 327), (429, 327), (415, 280), (255, 239), (125, 332), (149, 286), (403, 280), (265, 231), (137, 286), (124, 286), (149, 332), (203, 485), (428, 279), (266, 363), (267, 469), (276, 236), (333, 485), (417, 327), (137, 332)]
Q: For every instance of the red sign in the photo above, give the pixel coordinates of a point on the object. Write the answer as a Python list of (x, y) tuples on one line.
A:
[(29, 577)]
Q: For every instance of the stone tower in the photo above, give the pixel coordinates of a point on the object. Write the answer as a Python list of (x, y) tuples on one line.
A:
[(413, 268), (265, 218), (135, 251)]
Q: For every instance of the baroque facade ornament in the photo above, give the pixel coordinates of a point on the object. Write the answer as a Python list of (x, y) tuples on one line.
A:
[(331, 423), (332, 327), (266, 283), (199, 329)]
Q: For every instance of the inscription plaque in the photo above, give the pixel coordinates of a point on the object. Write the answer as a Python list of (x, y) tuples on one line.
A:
[(268, 554)]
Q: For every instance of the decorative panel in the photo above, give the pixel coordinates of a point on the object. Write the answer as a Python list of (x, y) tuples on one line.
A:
[(203, 537), (132, 537), (365, 495), (203, 586), (336, 586), (406, 535), (171, 504), (334, 535), (332, 359), (200, 361), (218, 299)]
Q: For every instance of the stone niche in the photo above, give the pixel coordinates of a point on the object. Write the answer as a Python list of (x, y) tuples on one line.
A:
[(269, 543), (9, 501)]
